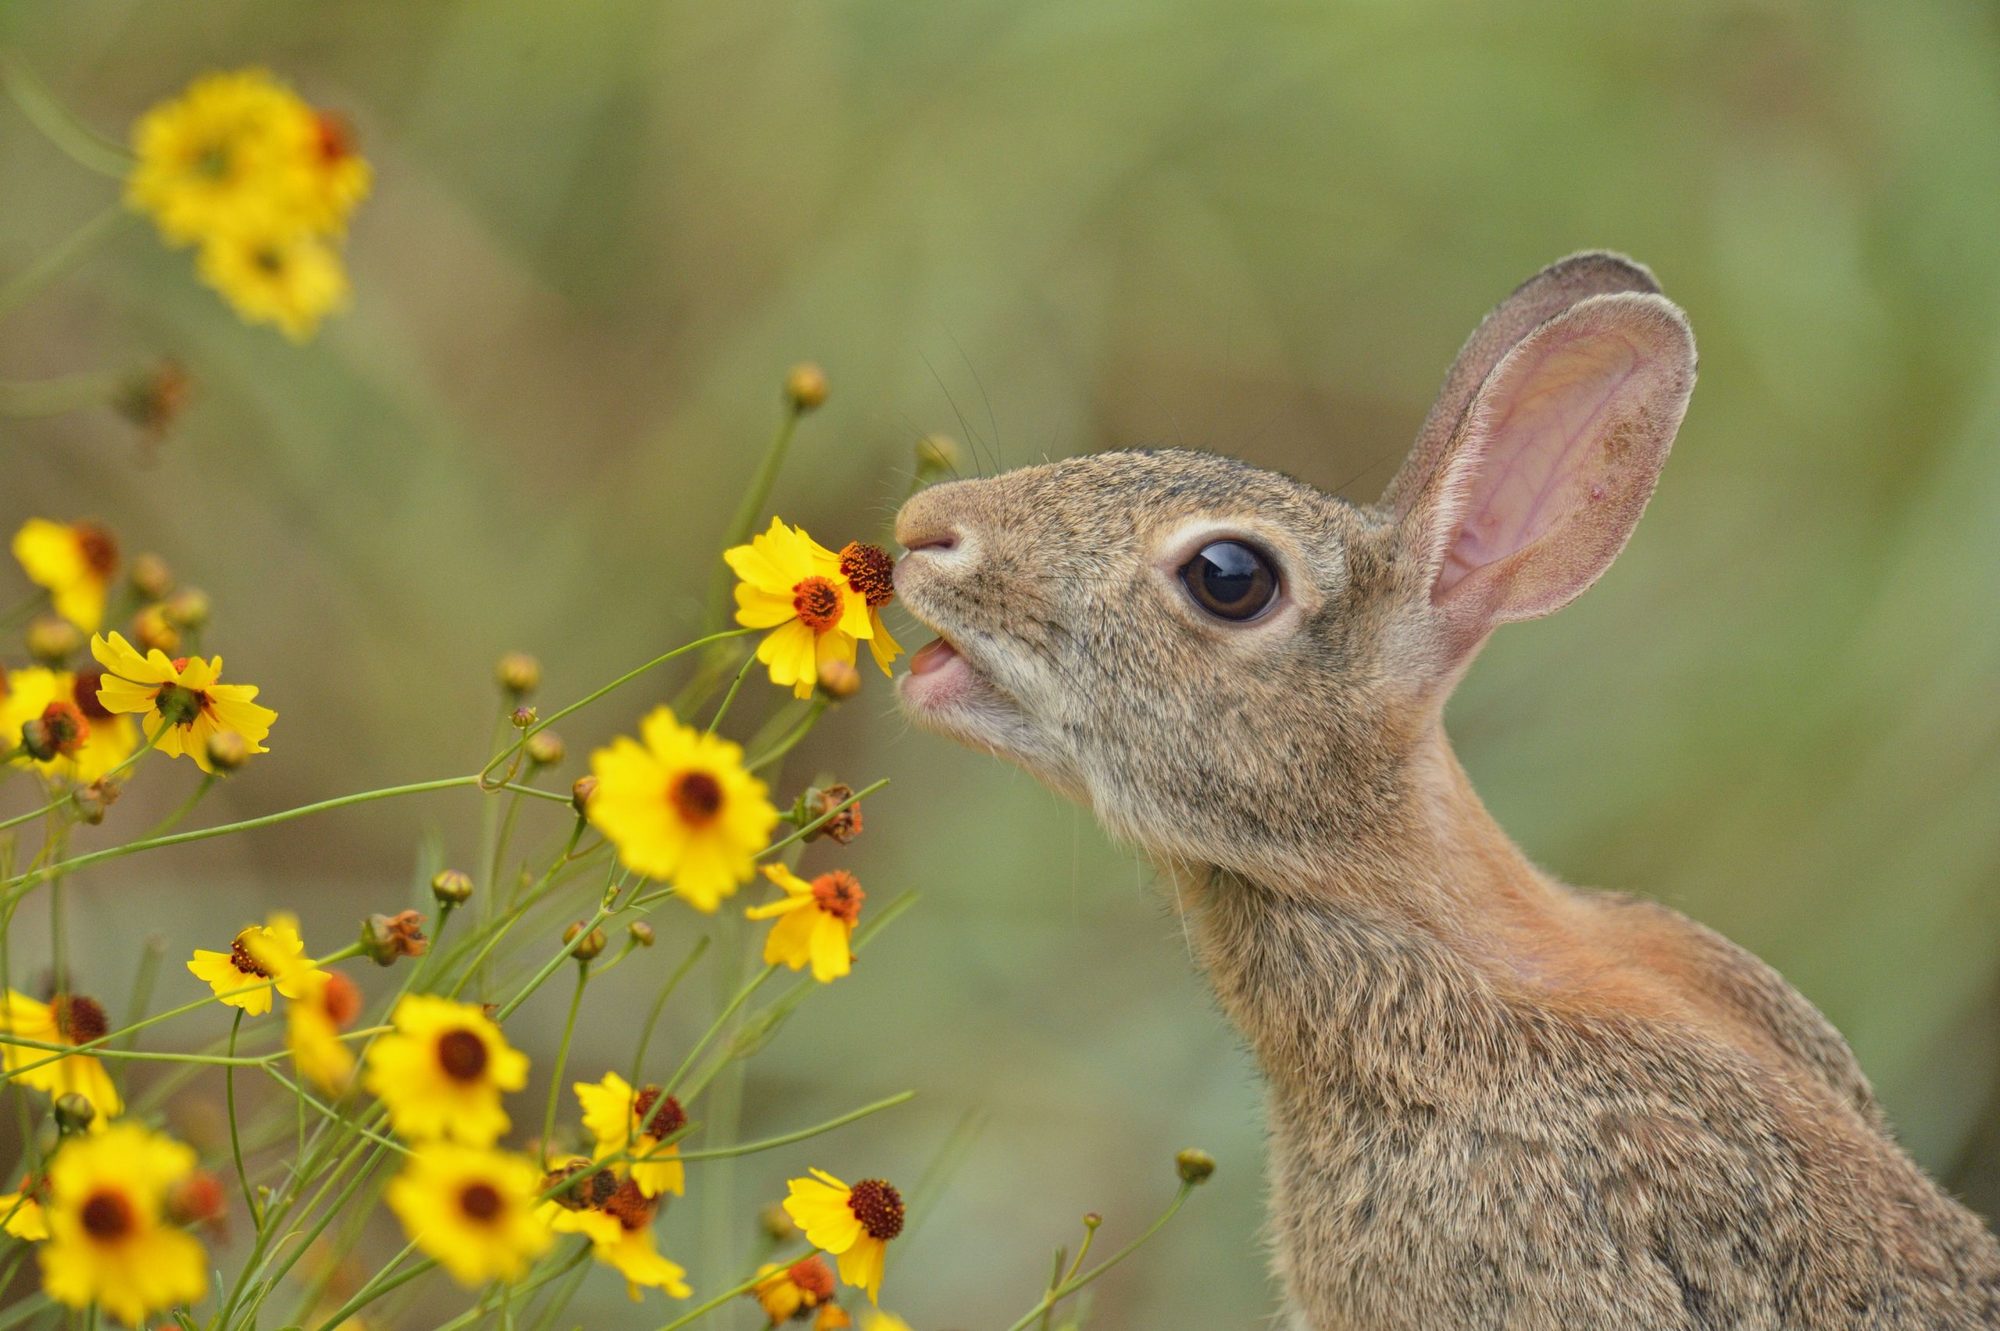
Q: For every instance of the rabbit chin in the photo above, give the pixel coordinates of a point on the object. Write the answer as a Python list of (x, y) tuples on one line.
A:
[(948, 696)]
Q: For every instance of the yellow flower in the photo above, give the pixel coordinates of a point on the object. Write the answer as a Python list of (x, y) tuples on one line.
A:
[(263, 952), (337, 178), (794, 586), (620, 1230), (27, 693), (108, 1242), (441, 1072), (67, 1019), (815, 922), (473, 1210), (292, 279), (233, 150), (180, 702), (871, 573), (855, 1224), (632, 1124), (74, 561), (680, 808), (23, 1214), (882, 1321), (787, 1292), (327, 1002)]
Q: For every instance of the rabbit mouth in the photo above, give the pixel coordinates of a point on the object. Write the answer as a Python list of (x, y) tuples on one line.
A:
[(941, 677)]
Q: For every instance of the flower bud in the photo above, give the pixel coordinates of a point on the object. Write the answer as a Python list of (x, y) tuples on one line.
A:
[(641, 932), (387, 937), (778, 1224), (151, 577), (938, 454), (545, 748), (580, 792), (93, 800), (74, 1113), (53, 640), (805, 387), (197, 1199), (1194, 1166), (521, 717), (518, 674), (153, 631), (227, 751), (451, 887), (839, 680), (186, 609), (819, 802), (154, 399), (584, 946), (57, 733), (1091, 1220), (341, 999)]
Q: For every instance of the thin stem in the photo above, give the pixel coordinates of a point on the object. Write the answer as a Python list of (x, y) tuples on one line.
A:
[(30, 398), (562, 1058), (235, 1137), (803, 1134), (1070, 1287), (154, 950), (187, 806), (380, 1284), (792, 737), (702, 1310), (80, 143), (68, 795), (752, 507), (722, 708), (660, 1005), (82, 243), (715, 1028)]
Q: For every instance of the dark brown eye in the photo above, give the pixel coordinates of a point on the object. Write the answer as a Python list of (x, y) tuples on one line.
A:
[(1231, 580)]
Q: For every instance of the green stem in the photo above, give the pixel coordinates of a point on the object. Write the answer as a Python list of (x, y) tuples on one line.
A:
[(80, 143), (27, 399), (562, 1058), (715, 1028), (187, 806), (235, 1138), (660, 1005), (803, 1134), (736, 1292), (381, 1284), (82, 243), (1070, 1287), (792, 737), (751, 508), (722, 708)]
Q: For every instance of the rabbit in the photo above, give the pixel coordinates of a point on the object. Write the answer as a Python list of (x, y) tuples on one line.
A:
[(1495, 1100)]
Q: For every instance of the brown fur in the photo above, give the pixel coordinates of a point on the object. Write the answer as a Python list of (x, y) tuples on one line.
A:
[(1495, 1101)]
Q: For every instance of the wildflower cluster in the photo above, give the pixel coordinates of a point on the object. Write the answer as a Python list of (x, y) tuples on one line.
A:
[(262, 185), (225, 1176)]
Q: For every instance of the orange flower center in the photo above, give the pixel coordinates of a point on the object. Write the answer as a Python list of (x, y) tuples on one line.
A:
[(480, 1202), (577, 1191), (99, 549), (241, 958), (108, 1216), (84, 694), (631, 1208), (668, 1119), (340, 999), (334, 137), (869, 570), (696, 797), (812, 1277), (79, 1020), (879, 1208), (839, 894), (462, 1055), (64, 728), (817, 603)]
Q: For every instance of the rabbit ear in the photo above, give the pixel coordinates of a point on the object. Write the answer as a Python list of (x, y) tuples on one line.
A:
[(1533, 303), (1553, 460)]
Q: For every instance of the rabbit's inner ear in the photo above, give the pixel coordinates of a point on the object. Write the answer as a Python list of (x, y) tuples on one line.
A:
[(1554, 461)]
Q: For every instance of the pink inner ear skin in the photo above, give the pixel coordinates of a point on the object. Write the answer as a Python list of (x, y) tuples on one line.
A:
[(1540, 456)]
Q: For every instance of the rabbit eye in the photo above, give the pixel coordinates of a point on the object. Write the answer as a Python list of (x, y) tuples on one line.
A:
[(1231, 580)]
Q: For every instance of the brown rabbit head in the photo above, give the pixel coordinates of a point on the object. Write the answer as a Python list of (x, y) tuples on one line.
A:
[(1233, 668)]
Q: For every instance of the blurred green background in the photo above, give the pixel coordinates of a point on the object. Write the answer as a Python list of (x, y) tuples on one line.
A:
[(601, 231)]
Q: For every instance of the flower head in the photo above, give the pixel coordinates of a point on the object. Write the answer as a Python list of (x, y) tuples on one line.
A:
[(109, 1242), (815, 922), (290, 279), (231, 151), (794, 586), (618, 1221), (108, 741), (268, 956), (788, 1292), (74, 562), (680, 807), (66, 1019), (633, 1123), (855, 1224), (442, 1070), (181, 702), (871, 573), (473, 1210), (326, 1003)]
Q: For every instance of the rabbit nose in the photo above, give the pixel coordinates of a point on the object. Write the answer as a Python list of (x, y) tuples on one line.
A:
[(939, 539)]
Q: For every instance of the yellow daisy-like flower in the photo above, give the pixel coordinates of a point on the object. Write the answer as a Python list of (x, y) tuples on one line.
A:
[(872, 574), (815, 922), (108, 1242), (27, 694), (181, 702), (272, 951), (291, 279), (788, 1292), (326, 1003), (619, 1226), (229, 151), (854, 1224), (680, 808), (74, 562), (66, 1019), (24, 1214), (473, 1210), (441, 1072), (633, 1123), (794, 586)]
